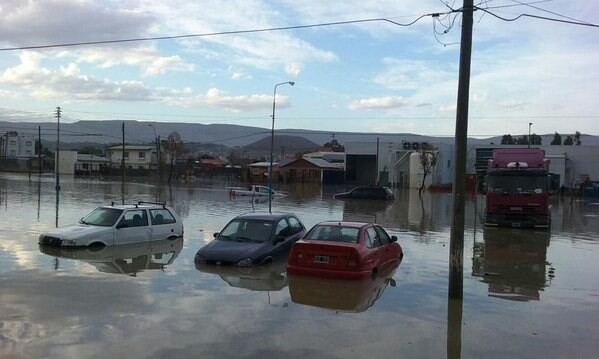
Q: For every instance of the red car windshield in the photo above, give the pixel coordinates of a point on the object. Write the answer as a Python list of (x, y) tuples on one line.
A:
[(334, 234)]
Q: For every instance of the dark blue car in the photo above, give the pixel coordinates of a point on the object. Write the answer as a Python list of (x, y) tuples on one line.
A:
[(252, 239)]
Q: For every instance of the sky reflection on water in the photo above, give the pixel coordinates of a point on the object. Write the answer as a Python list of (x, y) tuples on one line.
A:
[(526, 294)]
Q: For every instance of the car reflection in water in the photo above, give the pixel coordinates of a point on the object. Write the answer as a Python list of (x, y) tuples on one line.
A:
[(342, 295), (268, 277), (513, 263), (127, 259)]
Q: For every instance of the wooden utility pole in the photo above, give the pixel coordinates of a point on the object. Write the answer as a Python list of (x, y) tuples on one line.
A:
[(123, 165), (456, 246), (57, 161)]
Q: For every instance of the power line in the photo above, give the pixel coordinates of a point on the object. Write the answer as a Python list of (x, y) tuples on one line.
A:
[(233, 32), (548, 11), (537, 17)]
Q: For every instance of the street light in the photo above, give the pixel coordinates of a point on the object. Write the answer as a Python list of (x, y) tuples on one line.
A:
[(529, 125), (272, 142)]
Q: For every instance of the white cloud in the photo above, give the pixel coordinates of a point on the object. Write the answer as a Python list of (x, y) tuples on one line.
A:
[(378, 103), (217, 98), (148, 58), (241, 76)]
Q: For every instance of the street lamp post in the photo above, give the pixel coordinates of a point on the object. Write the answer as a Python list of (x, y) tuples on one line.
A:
[(157, 143), (529, 126), (272, 142)]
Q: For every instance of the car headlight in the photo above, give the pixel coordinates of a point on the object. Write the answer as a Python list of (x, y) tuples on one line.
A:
[(245, 262)]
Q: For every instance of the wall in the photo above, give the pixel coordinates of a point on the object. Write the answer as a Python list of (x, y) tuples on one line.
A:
[(66, 162)]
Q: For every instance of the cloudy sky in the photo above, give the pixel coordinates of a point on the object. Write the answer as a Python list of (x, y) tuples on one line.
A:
[(366, 77)]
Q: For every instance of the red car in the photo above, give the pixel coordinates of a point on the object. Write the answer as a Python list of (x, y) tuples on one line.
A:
[(344, 250)]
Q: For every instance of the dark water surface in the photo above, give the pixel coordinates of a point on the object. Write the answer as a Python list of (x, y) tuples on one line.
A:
[(527, 294)]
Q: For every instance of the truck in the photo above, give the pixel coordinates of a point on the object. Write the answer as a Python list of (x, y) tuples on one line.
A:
[(518, 189)]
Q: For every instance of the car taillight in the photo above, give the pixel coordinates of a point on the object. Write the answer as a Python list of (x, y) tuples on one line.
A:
[(299, 256)]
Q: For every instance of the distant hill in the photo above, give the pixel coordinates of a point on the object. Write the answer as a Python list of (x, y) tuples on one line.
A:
[(109, 131), (283, 142)]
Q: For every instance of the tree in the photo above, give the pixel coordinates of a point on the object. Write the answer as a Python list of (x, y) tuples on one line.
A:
[(174, 146), (522, 140), (569, 141), (507, 140), (577, 138), (334, 145), (557, 140), (428, 160), (536, 139)]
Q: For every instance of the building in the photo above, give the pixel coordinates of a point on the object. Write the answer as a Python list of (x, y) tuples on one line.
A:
[(90, 164), (136, 156), (15, 146), (259, 171), (66, 162), (395, 164), (311, 170)]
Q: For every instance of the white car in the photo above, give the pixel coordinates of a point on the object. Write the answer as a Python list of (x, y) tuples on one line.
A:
[(118, 224)]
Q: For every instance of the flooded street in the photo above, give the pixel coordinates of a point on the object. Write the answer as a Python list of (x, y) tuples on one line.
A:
[(527, 294)]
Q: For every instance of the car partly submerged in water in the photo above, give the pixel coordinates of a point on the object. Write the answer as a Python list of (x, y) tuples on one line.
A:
[(367, 192), (254, 191), (252, 239), (350, 250), (118, 225)]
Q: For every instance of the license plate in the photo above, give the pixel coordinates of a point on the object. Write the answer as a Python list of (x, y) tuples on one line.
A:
[(321, 259)]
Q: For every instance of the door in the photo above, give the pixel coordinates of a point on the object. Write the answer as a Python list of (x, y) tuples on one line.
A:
[(133, 227), (163, 224), (374, 248), (389, 252), (282, 236)]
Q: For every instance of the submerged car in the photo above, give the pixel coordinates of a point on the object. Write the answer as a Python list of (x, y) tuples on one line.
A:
[(367, 192), (349, 250), (252, 239), (118, 224), (270, 277)]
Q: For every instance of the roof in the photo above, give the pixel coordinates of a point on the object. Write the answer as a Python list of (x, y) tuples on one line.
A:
[(344, 224), (262, 164), (91, 158), (264, 216), (142, 206), (318, 162), (131, 147)]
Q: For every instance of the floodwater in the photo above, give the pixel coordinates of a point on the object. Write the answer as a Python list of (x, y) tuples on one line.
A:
[(527, 294)]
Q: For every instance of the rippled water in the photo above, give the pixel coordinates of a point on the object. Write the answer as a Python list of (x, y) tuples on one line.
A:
[(527, 294)]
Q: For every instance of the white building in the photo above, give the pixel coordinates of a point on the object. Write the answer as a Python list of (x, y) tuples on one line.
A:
[(90, 163), (66, 162), (136, 156), (13, 145)]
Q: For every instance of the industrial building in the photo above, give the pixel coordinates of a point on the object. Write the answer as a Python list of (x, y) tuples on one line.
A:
[(15, 146)]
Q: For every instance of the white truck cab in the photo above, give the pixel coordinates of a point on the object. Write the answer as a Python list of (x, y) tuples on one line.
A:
[(117, 225)]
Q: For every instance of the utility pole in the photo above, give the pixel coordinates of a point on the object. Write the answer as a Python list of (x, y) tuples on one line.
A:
[(123, 165), (377, 162), (39, 149), (159, 157), (57, 153), (529, 125), (456, 244)]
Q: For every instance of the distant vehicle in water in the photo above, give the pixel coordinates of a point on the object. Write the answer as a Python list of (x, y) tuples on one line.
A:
[(254, 190), (367, 192), (127, 259), (118, 225), (517, 189), (252, 239), (350, 250)]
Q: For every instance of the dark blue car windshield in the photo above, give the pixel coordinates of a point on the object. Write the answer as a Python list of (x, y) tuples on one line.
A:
[(245, 230)]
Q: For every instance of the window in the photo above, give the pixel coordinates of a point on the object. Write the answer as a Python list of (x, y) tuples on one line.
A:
[(283, 228), (383, 236), (244, 230), (334, 234), (372, 240), (84, 165), (161, 216), (102, 217), (28, 143), (141, 155), (134, 218), (295, 225), (13, 143), (126, 155)]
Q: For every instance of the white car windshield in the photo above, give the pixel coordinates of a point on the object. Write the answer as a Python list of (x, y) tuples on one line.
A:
[(102, 217)]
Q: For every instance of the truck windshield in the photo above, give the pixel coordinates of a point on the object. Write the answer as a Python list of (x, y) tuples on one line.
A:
[(102, 217), (525, 184)]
